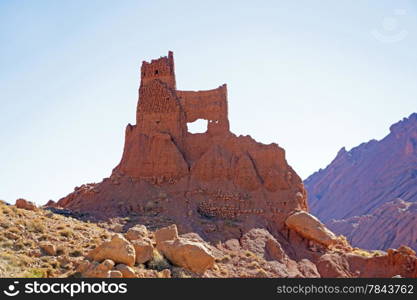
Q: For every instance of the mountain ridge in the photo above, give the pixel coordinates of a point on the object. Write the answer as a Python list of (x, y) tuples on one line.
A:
[(360, 181)]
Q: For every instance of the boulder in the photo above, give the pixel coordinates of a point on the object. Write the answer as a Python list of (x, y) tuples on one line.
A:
[(143, 250), (126, 271), (232, 244), (311, 228), (117, 249), (166, 233), (137, 232), (95, 269), (263, 244), (190, 255)]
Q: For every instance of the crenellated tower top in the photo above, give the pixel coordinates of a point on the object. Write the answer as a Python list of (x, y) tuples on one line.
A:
[(161, 68)]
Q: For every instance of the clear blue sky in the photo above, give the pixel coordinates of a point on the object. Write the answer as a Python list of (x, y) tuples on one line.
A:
[(312, 76)]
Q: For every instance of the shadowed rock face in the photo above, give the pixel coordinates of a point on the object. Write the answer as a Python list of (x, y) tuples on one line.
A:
[(214, 183), (354, 188)]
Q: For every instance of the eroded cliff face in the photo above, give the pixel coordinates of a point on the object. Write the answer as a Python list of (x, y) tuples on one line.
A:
[(214, 183)]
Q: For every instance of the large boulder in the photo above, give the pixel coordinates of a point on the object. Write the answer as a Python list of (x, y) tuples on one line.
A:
[(311, 228), (166, 233), (118, 249), (191, 255), (143, 250), (137, 232)]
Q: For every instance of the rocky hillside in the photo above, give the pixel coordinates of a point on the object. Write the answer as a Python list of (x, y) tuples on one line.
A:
[(37, 242), (355, 187)]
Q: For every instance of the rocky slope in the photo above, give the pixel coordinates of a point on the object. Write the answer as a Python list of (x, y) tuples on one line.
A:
[(38, 242), (354, 188)]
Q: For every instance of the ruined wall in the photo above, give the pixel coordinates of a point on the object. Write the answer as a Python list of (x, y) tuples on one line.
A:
[(210, 105), (162, 108)]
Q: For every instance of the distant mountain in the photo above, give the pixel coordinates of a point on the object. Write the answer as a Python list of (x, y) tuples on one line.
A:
[(358, 182)]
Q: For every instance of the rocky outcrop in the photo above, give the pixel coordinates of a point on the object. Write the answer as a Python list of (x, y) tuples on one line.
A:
[(354, 188), (391, 225), (213, 177), (168, 233), (25, 204), (118, 249)]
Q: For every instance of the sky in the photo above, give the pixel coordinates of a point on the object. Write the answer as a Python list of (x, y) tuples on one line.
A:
[(312, 76)]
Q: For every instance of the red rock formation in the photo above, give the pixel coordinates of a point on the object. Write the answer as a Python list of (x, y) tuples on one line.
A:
[(168, 172), (221, 186), (24, 204), (355, 186)]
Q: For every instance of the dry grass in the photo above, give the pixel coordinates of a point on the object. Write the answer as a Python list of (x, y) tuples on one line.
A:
[(158, 262), (66, 233), (21, 232)]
